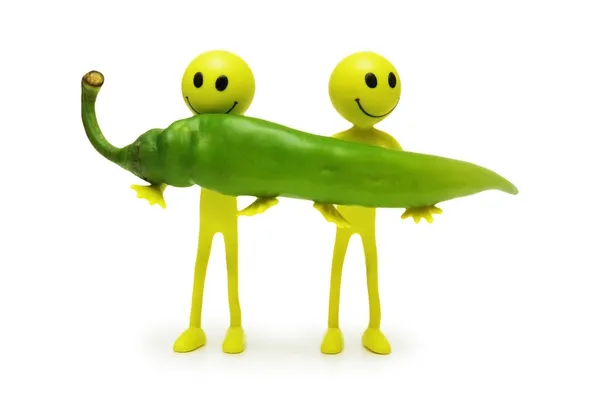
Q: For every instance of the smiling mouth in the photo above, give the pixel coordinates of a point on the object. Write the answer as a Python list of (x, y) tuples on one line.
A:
[(191, 106), (373, 116)]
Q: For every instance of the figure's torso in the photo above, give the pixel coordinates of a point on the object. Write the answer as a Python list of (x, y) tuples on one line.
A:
[(370, 136), (217, 211), (362, 219)]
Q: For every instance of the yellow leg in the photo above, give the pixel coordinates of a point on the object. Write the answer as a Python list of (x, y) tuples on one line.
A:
[(333, 342), (373, 339), (194, 337), (234, 342)]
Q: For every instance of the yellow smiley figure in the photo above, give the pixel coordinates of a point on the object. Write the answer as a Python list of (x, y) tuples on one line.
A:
[(364, 89), (216, 82)]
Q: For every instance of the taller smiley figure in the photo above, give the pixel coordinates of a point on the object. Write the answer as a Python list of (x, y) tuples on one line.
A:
[(364, 89), (216, 82)]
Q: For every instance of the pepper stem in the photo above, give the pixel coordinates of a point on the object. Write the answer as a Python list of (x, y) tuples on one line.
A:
[(90, 87)]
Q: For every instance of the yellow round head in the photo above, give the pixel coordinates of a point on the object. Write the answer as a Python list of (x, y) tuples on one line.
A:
[(218, 82), (364, 88)]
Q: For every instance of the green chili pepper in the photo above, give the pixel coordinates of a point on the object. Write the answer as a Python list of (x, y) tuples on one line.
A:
[(244, 156)]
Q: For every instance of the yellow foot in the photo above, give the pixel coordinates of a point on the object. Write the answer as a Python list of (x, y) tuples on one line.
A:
[(417, 213), (260, 205), (332, 214), (333, 342), (374, 340), (152, 193), (235, 341), (190, 340)]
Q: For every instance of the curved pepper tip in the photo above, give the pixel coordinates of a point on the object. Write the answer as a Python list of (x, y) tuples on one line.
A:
[(509, 188)]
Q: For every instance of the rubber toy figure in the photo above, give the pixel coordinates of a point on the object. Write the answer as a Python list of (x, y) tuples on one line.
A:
[(364, 89), (216, 82)]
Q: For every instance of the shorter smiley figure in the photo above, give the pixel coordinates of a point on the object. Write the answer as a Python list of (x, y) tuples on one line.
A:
[(364, 89), (216, 82)]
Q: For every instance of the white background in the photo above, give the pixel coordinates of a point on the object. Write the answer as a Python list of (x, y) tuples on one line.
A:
[(498, 298)]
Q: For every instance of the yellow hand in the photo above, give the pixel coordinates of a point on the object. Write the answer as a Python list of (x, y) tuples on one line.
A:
[(417, 213), (259, 206), (331, 214), (152, 193)]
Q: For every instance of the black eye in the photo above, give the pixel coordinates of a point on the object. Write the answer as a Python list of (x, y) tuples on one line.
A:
[(392, 80), (221, 83), (371, 80), (198, 80)]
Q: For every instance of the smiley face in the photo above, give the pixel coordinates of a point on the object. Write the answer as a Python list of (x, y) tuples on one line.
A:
[(218, 82), (364, 88)]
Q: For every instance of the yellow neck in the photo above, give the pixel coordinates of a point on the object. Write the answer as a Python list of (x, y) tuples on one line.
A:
[(370, 136)]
